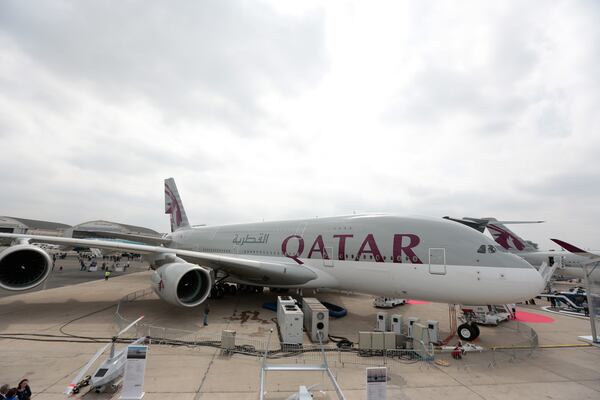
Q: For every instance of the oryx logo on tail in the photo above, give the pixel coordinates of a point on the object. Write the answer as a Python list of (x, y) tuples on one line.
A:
[(506, 238), (174, 206)]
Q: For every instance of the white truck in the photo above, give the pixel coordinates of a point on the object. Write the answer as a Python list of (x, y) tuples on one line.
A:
[(388, 302)]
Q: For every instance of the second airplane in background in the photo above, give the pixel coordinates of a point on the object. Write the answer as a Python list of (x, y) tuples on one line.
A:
[(571, 261)]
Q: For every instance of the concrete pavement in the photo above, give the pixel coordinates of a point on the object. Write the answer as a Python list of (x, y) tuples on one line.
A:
[(87, 309)]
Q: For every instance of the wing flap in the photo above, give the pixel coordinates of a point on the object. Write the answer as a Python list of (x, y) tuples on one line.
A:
[(138, 239)]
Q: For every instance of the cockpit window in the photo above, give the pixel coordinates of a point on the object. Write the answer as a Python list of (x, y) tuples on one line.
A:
[(481, 249), (491, 249)]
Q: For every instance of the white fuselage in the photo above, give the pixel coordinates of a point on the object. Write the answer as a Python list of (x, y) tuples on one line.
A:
[(418, 258)]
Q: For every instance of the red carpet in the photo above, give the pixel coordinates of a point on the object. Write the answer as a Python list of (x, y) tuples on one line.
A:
[(524, 316), (415, 302)]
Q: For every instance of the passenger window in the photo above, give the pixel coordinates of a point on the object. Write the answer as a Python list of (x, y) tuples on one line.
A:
[(491, 249), (481, 249)]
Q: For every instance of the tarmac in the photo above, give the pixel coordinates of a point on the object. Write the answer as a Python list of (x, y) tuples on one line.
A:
[(561, 368), (71, 276)]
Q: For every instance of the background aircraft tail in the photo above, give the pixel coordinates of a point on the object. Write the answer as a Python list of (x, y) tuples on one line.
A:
[(174, 206), (501, 234), (507, 238)]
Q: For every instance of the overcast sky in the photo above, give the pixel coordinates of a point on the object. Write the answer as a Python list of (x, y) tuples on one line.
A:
[(276, 110)]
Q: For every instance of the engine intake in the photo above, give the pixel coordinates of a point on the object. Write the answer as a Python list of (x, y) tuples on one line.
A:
[(182, 284), (23, 267)]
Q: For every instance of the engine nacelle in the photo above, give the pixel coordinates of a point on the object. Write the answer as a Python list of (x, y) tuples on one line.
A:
[(23, 267), (182, 284)]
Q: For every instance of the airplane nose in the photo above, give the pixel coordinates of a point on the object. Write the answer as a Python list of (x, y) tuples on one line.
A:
[(534, 282), (527, 281), (538, 282)]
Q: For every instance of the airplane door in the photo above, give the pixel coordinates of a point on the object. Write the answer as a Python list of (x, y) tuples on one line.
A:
[(437, 261)]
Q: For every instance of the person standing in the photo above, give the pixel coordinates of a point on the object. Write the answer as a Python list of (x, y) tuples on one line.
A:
[(3, 390), (23, 390), (206, 311), (106, 275), (12, 394)]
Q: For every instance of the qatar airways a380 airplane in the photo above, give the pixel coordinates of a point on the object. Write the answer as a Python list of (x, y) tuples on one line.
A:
[(410, 257)]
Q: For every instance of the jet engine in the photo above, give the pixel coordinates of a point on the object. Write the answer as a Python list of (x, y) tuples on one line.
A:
[(23, 266), (182, 284)]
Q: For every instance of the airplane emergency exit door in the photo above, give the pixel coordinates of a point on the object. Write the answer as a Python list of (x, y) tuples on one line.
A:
[(437, 261)]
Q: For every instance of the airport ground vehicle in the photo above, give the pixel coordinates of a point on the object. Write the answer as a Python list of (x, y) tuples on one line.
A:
[(388, 302)]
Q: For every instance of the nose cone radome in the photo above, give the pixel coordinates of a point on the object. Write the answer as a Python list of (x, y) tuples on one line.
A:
[(530, 281)]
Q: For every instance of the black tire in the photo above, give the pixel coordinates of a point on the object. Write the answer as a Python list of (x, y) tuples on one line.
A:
[(219, 293), (466, 332), (475, 329)]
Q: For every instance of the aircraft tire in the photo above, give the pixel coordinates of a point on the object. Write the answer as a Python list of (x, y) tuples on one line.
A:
[(476, 329), (466, 332)]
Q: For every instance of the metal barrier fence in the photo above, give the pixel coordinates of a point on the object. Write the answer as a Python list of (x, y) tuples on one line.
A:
[(523, 347), (305, 354)]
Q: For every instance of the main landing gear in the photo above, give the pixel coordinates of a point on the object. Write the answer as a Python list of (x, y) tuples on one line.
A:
[(468, 331), (219, 290)]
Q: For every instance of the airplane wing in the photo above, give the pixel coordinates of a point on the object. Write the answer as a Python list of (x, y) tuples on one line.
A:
[(141, 239), (576, 250), (259, 271)]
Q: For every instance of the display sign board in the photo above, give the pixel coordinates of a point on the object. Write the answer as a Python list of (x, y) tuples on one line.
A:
[(377, 383), (133, 378)]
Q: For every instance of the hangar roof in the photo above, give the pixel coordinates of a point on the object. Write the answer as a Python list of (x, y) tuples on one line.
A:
[(108, 226), (32, 223)]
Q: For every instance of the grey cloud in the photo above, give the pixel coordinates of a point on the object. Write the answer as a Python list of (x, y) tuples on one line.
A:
[(436, 93), (209, 59), (117, 155), (572, 186), (552, 121), (488, 92)]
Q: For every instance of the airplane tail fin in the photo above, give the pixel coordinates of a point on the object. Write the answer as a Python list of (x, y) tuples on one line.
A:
[(174, 206), (507, 238)]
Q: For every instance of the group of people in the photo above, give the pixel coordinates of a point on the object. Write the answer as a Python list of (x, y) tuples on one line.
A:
[(117, 258), (93, 265), (21, 392)]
